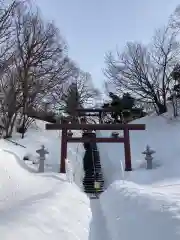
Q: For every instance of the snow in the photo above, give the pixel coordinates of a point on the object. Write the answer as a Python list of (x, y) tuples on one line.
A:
[(141, 212), (98, 227), (38, 136), (40, 206), (44, 206), (143, 204), (162, 136)]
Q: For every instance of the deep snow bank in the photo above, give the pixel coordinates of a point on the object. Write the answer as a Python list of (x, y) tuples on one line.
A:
[(146, 203), (162, 134), (37, 136), (40, 206), (133, 212)]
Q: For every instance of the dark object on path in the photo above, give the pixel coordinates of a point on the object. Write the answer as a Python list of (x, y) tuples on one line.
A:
[(93, 179)]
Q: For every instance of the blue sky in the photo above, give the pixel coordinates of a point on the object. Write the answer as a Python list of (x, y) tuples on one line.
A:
[(93, 27)]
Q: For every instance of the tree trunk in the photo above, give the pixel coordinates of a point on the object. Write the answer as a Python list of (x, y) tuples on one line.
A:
[(12, 124), (162, 108), (174, 103)]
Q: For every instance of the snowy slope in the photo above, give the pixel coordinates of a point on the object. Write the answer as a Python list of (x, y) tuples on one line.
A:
[(162, 135), (144, 203), (141, 212), (45, 206), (38, 136)]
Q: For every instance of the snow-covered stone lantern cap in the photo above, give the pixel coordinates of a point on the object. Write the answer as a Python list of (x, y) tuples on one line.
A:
[(42, 152), (148, 151)]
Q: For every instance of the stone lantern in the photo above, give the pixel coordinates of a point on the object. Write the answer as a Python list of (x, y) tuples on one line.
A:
[(70, 133), (115, 134), (148, 156), (42, 157)]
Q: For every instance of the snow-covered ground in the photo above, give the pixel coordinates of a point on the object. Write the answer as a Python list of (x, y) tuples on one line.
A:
[(144, 204), (44, 206), (34, 206), (141, 212)]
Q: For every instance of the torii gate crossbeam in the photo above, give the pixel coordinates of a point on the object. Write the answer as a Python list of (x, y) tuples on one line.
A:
[(125, 139)]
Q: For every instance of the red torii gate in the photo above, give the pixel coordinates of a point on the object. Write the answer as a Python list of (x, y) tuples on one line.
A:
[(68, 138)]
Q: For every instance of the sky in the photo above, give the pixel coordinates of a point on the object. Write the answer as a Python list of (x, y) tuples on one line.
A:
[(94, 27)]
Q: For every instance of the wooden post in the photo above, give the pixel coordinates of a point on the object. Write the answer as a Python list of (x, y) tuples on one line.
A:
[(127, 150), (63, 151), (100, 117)]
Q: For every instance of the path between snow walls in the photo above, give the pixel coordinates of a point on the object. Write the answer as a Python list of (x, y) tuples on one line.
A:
[(98, 226)]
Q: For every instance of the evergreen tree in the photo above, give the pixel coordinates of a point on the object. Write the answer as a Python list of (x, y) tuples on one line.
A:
[(72, 101), (175, 91), (123, 108), (116, 106), (128, 102)]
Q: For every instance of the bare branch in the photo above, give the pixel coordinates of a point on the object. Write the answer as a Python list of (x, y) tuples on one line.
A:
[(144, 71)]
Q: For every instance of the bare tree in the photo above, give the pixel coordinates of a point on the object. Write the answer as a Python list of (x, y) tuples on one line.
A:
[(8, 87), (10, 102), (6, 28), (6, 34), (145, 71), (39, 57), (86, 89), (34, 65)]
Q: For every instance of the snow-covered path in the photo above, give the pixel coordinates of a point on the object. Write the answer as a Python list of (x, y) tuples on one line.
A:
[(98, 228)]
